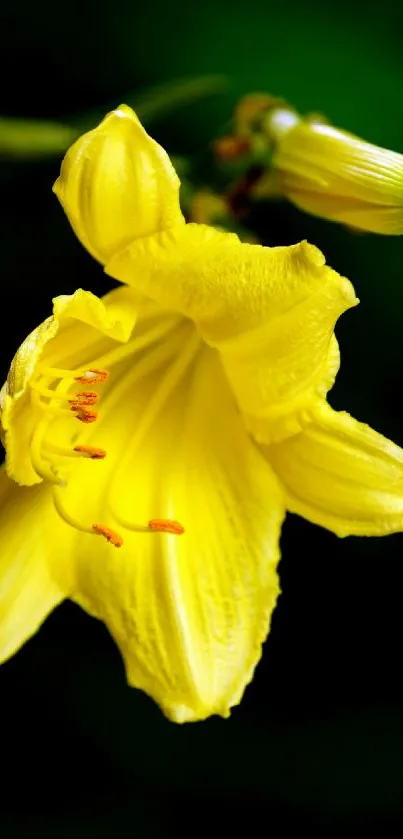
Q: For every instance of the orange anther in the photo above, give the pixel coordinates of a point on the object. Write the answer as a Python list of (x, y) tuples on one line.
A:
[(84, 397), (83, 415), (92, 376), (110, 535), (166, 526), (90, 451)]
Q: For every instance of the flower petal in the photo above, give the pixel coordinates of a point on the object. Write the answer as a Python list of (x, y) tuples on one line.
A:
[(28, 591), (116, 183), (373, 218), (81, 327), (270, 312), (342, 475), (189, 612)]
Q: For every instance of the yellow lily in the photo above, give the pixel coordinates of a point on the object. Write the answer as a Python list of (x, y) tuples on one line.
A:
[(332, 173), (211, 368)]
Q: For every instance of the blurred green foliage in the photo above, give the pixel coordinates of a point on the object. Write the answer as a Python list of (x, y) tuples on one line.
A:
[(27, 139), (317, 743)]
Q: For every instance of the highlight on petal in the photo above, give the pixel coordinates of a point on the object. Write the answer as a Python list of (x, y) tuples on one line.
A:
[(342, 475), (190, 612), (332, 173), (117, 184), (28, 591), (270, 312), (81, 326)]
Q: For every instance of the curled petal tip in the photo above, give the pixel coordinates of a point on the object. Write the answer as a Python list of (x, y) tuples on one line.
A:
[(117, 184)]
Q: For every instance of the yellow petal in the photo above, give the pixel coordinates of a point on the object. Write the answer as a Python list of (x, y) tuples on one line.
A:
[(117, 184), (270, 312), (342, 475), (372, 218), (334, 174), (28, 591), (75, 333), (189, 612)]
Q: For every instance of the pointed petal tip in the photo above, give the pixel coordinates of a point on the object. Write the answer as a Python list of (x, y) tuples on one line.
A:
[(125, 112), (181, 714), (186, 709), (120, 117)]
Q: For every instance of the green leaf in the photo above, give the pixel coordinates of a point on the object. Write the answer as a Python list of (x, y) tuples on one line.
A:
[(27, 139)]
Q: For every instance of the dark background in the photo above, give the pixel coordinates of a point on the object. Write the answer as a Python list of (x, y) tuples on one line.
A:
[(317, 743)]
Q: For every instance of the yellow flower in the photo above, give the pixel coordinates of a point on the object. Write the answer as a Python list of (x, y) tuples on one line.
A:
[(334, 174), (211, 368)]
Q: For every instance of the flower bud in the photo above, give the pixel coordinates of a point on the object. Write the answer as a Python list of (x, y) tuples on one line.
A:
[(331, 173), (117, 184)]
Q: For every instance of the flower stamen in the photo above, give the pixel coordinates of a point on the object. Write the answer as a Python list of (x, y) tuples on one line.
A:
[(41, 449), (83, 375), (96, 529), (90, 451), (79, 451), (93, 375), (42, 466), (85, 416), (153, 526), (48, 395), (166, 526), (47, 407), (109, 534), (84, 397)]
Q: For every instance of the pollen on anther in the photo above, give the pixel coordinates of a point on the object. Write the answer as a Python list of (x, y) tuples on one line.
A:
[(83, 415), (110, 535), (90, 451), (166, 526), (84, 397), (93, 376)]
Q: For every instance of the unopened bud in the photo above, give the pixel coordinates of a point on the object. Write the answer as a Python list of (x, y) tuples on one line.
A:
[(334, 174)]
